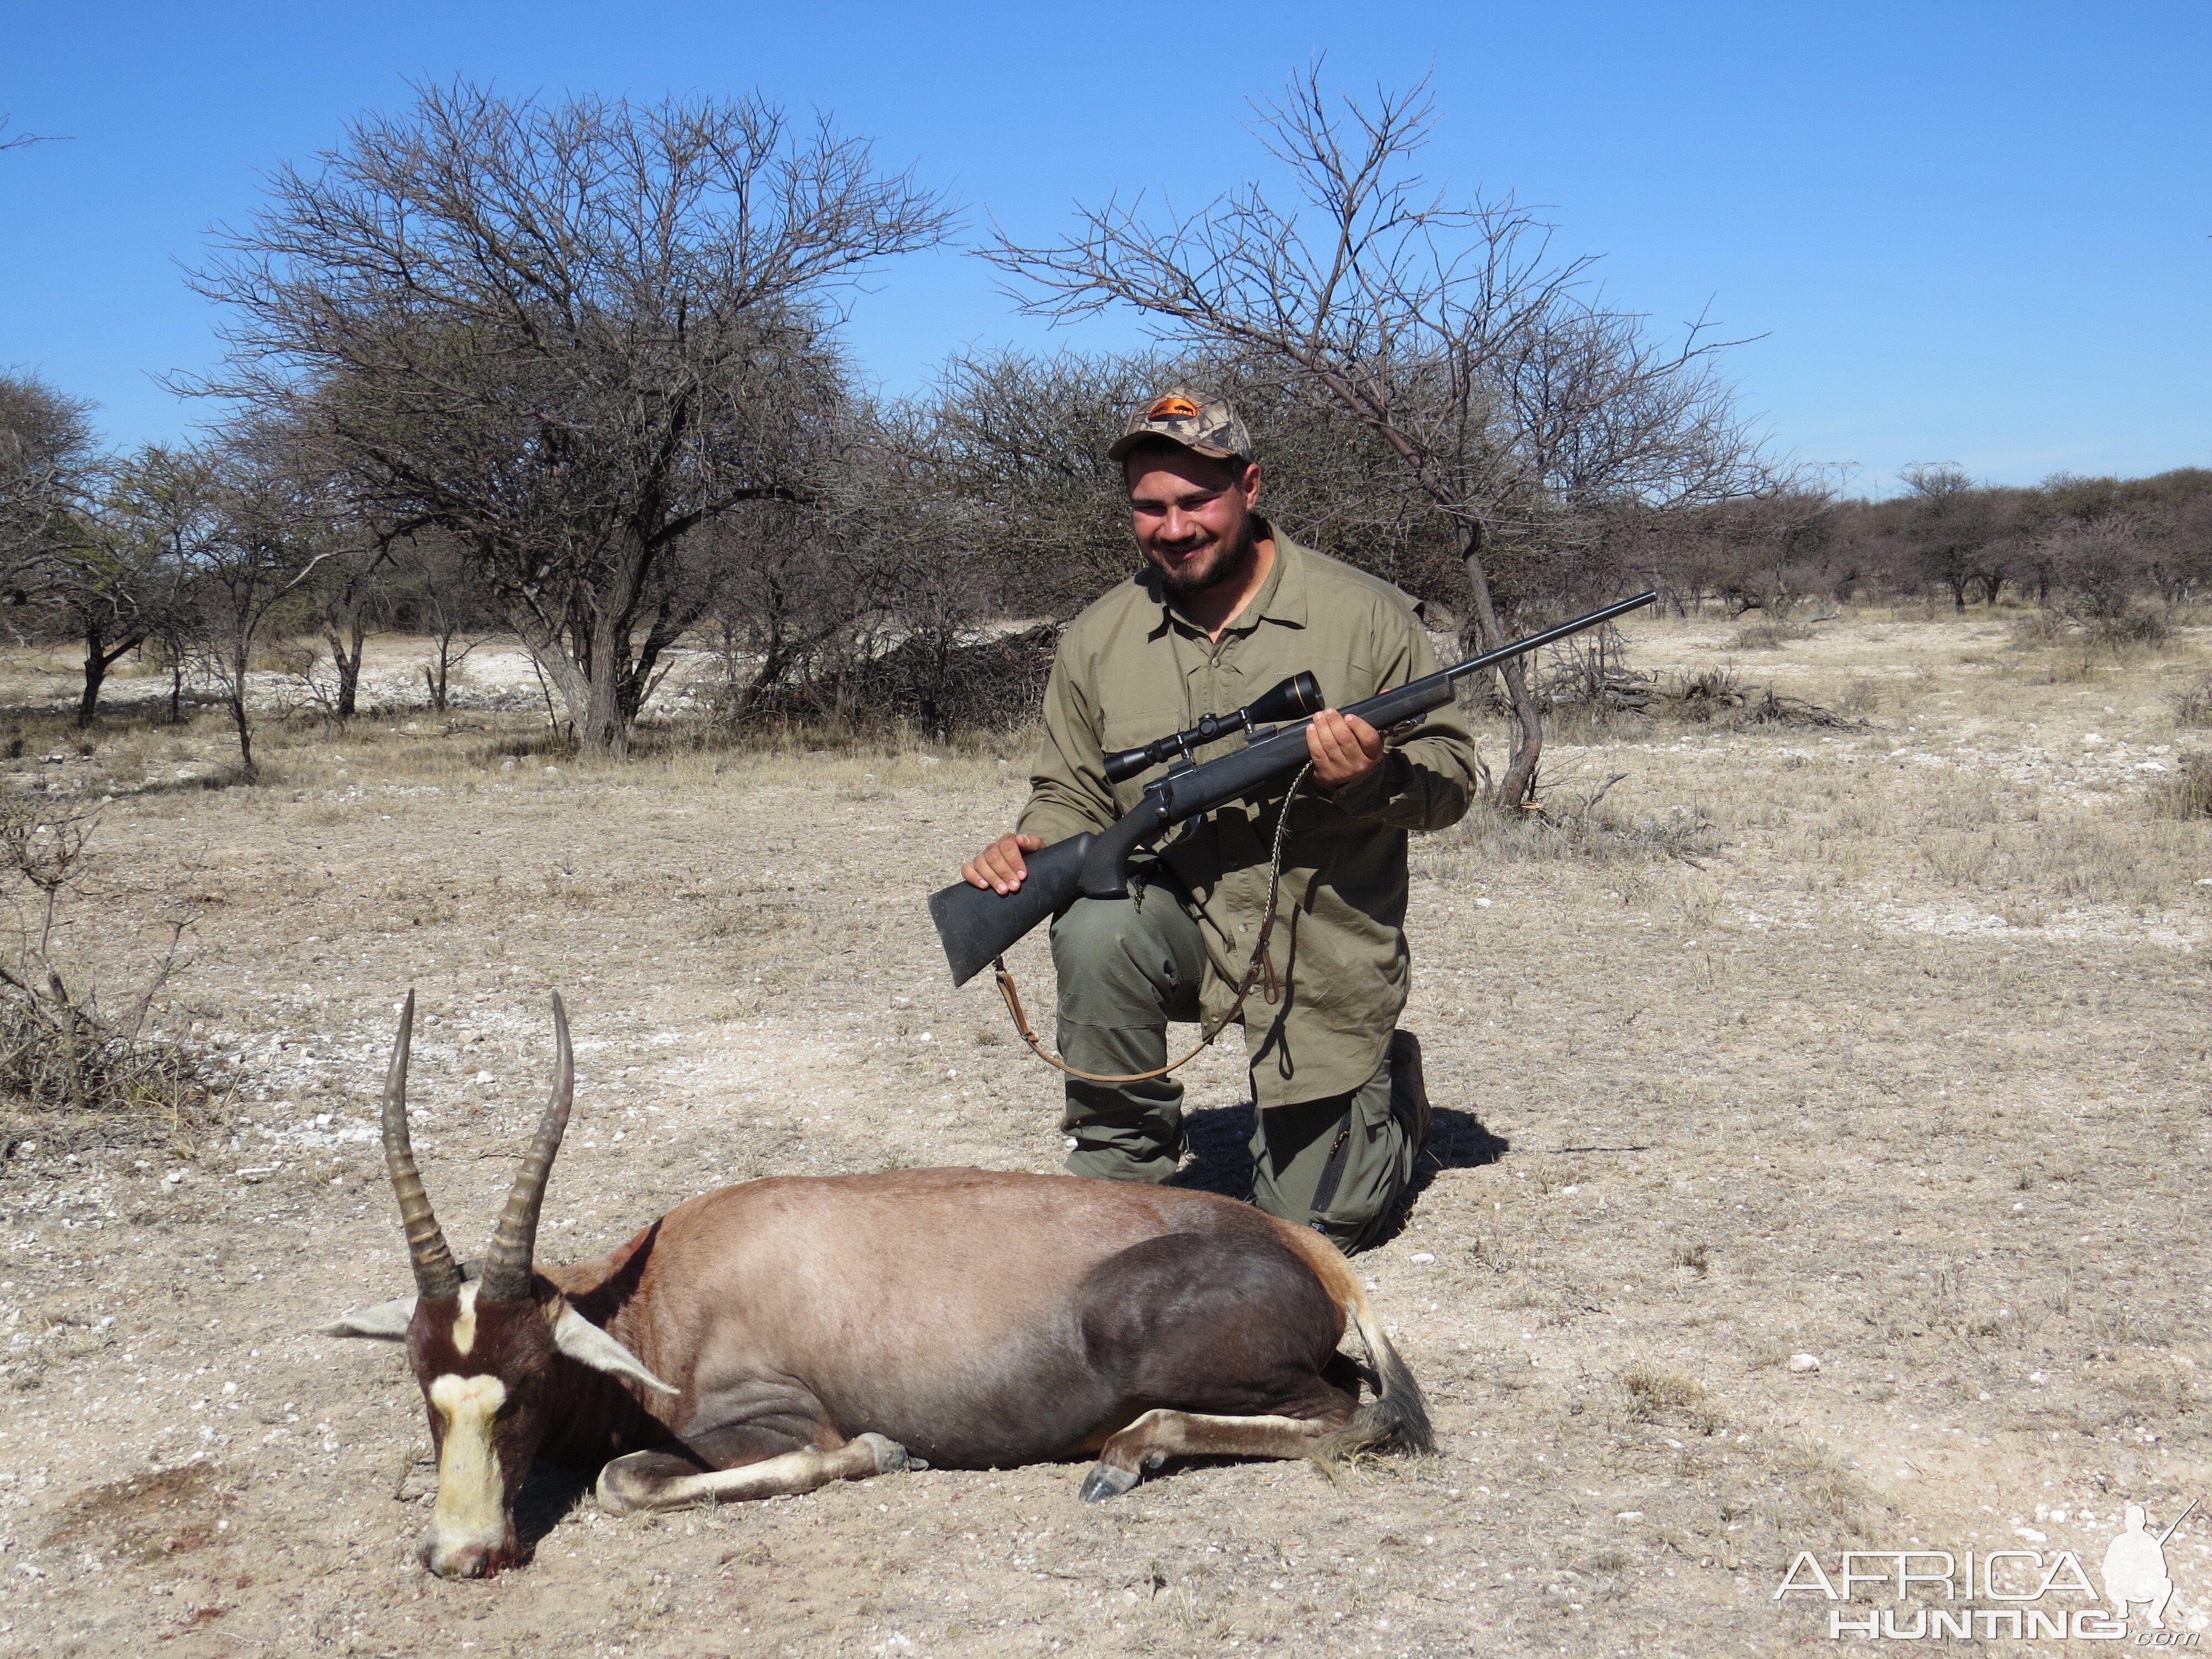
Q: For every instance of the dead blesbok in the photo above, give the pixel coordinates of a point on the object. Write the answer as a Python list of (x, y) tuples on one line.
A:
[(771, 1337)]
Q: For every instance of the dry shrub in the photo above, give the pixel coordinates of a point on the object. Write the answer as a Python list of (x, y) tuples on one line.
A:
[(2193, 704), (1823, 1483), (2117, 631), (1769, 635), (56, 1056), (1586, 681), (941, 687), (1706, 695), (2187, 793), (1714, 697), (1861, 696), (1771, 709), (1657, 1396), (2138, 627), (59, 1052), (1565, 825), (2041, 628)]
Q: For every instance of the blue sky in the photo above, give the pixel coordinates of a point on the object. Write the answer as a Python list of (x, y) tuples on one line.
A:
[(1979, 234)]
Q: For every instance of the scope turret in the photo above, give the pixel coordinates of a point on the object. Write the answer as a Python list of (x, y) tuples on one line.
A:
[(1294, 699)]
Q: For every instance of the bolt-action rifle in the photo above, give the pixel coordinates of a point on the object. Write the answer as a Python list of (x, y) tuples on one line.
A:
[(977, 925)]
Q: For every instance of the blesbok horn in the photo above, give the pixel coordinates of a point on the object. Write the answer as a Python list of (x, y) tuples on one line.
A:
[(513, 1244), (435, 1275)]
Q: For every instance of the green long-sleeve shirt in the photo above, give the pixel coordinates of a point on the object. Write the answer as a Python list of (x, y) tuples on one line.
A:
[(1132, 668)]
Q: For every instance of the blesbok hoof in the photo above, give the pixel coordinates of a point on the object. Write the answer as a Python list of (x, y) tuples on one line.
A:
[(1105, 1481), (620, 1491), (890, 1457)]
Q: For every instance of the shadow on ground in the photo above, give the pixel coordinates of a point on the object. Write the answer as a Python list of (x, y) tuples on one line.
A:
[(1221, 1149), (547, 1494)]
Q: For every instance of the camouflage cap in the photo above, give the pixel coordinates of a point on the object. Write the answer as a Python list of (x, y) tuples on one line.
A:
[(1206, 426)]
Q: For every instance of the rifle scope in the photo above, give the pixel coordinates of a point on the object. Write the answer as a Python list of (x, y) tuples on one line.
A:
[(1294, 699)]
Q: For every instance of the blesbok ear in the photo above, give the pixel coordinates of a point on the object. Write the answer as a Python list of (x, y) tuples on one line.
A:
[(588, 1345), (386, 1322)]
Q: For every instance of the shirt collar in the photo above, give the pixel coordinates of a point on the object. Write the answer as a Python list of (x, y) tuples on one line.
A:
[(1282, 598)]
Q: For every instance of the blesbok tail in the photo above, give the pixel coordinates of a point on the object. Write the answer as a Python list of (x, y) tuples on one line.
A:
[(1397, 1418)]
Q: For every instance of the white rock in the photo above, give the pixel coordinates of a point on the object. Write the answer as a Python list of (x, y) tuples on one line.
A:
[(1804, 1364), (1423, 1259), (1629, 1514)]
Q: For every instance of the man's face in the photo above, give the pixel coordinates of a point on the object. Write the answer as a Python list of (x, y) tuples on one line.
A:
[(1191, 516)]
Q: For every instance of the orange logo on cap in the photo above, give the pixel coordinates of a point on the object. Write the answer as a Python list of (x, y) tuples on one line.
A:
[(1172, 409)]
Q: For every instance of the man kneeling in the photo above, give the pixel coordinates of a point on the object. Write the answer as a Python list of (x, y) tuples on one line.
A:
[(1225, 608)]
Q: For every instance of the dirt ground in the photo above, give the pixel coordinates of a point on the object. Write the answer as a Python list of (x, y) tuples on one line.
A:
[(1821, 1151)]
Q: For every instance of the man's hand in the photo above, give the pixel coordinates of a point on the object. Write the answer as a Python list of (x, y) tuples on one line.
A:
[(1001, 866), (1345, 748)]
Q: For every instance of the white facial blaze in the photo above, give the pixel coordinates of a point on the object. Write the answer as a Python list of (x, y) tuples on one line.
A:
[(464, 1321), (469, 1508)]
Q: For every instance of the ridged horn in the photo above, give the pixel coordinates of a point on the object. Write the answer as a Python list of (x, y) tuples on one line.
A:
[(435, 1275), (514, 1243)]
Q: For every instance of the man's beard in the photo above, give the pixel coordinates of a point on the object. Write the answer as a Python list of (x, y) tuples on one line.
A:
[(1228, 564)]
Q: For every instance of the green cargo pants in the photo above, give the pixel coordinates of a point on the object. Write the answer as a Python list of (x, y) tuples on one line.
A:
[(1126, 969)]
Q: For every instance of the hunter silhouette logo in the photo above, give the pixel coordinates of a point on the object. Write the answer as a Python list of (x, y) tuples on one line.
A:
[(2018, 1594), (2135, 1567)]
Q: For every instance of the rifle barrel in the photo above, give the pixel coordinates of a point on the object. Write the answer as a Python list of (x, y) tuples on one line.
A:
[(1536, 641)]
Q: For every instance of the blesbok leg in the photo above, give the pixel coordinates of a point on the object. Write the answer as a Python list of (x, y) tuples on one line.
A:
[(1237, 1330), (1159, 1435), (670, 1479)]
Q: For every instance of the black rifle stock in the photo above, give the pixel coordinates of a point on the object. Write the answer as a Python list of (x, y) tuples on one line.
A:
[(977, 925)]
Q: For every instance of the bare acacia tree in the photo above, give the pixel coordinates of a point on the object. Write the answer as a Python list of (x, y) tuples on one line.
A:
[(438, 595), (569, 337), (797, 585), (77, 534), (48, 458), (2101, 561), (163, 512), (1014, 448), (347, 588), (1513, 399), (1952, 523), (266, 531)]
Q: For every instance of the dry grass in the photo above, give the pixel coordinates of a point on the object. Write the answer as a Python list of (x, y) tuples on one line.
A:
[(65, 1077), (1657, 1396), (1769, 636), (1879, 1042), (2188, 793)]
